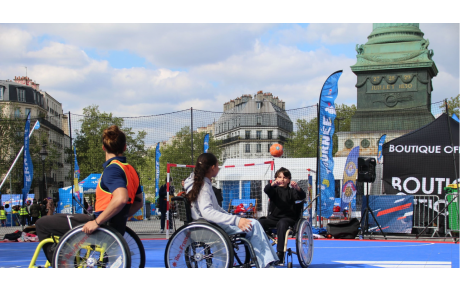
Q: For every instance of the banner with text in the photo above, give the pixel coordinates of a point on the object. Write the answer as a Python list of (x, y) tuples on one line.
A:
[(421, 162), (350, 174), (327, 116), (28, 166)]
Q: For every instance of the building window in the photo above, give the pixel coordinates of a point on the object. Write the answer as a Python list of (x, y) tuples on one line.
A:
[(259, 148), (259, 134), (259, 120), (17, 113), (270, 134), (268, 147), (259, 105), (248, 148), (27, 111), (248, 134), (1, 93), (21, 95)]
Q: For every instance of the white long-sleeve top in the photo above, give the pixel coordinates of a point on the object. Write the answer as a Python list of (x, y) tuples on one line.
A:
[(206, 206)]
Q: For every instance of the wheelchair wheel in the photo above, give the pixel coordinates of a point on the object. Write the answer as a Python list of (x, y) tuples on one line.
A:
[(136, 248), (104, 248), (242, 255), (304, 243), (199, 245)]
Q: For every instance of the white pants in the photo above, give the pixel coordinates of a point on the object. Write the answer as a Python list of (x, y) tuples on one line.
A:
[(260, 242)]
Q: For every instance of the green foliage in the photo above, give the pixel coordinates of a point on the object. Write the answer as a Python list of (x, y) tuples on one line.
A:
[(303, 142), (453, 105), (178, 152), (89, 144), (12, 139), (342, 122)]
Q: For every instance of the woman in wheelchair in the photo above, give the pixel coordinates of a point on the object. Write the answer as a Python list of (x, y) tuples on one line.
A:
[(204, 205), (282, 203), (118, 196)]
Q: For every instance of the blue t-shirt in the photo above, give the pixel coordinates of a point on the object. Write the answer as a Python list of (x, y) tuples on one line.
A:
[(114, 177)]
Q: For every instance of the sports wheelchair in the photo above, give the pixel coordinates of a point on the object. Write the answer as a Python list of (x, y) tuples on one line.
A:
[(202, 244), (303, 234), (104, 248)]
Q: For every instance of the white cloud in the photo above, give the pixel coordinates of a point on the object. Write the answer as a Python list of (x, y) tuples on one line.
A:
[(223, 62), (170, 45), (327, 33)]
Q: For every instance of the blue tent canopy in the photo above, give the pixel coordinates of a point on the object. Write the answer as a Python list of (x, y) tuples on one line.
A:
[(89, 183)]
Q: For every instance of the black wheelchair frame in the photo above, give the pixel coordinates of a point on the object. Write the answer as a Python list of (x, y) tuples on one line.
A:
[(205, 244), (300, 229)]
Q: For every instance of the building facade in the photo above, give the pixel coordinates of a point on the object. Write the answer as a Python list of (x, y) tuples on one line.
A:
[(250, 125), (20, 96)]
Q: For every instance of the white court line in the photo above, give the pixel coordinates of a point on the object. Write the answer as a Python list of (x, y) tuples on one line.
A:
[(374, 247), (400, 264)]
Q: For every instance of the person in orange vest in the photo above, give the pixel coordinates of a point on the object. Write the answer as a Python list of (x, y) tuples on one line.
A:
[(118, 195)]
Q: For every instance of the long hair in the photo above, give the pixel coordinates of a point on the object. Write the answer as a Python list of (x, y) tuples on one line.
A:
[(203, 164)]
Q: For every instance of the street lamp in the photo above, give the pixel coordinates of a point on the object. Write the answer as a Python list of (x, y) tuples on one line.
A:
[(43, 155)]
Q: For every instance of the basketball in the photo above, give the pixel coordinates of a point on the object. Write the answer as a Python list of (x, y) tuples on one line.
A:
[(276, 150)]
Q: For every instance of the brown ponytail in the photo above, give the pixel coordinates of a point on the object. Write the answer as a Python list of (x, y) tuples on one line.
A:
[(203, 164), (114, 140)]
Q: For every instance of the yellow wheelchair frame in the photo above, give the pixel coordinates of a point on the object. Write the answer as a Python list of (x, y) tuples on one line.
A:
[(55, 240)]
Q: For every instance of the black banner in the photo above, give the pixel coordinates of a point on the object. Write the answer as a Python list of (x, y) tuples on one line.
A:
[(421, 162)]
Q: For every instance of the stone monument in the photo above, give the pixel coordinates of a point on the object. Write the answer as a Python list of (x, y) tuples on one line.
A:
[(394, 70)]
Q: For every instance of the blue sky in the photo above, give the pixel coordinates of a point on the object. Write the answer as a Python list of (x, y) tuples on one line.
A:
[(147, 69)]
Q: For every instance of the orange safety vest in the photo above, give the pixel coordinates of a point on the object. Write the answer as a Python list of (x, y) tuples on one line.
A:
[(103, 197)]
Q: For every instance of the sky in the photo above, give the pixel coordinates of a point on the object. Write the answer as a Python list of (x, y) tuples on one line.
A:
[(153, 68)]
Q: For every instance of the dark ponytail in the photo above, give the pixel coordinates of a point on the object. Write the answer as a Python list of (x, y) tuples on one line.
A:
[(203, 164)]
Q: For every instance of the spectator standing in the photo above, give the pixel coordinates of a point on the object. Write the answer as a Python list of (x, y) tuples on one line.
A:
[(34, 212), (2, 216), (23, 214), (29, 218), (163, 204), (50, 207)]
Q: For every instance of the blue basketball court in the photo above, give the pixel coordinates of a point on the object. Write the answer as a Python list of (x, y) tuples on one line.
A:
[(327, 254)]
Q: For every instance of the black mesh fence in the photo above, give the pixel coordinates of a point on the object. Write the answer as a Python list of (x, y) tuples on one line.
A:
[(418, 158)]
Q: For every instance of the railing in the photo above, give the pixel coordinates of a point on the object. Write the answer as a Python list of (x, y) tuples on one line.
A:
[(424, 212)]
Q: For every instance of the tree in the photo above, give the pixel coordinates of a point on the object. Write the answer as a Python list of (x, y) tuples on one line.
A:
[(303, 142), (342, 122), (453, 105), (178, 152), (90, 156)]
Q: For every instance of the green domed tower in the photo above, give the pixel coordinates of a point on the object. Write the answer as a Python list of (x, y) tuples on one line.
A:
[(394, 70)]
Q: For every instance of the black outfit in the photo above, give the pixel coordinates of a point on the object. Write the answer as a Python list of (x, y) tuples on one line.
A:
[(218, 193), (34, 212), (282, 211), (162, 196)]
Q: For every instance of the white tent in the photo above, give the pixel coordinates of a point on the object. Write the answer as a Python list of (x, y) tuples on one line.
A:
[(297, 166)]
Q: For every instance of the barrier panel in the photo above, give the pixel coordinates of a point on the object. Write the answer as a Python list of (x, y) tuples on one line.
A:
[(424, 212)]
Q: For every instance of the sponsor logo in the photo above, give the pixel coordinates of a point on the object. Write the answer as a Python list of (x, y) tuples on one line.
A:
[(181, 249)]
